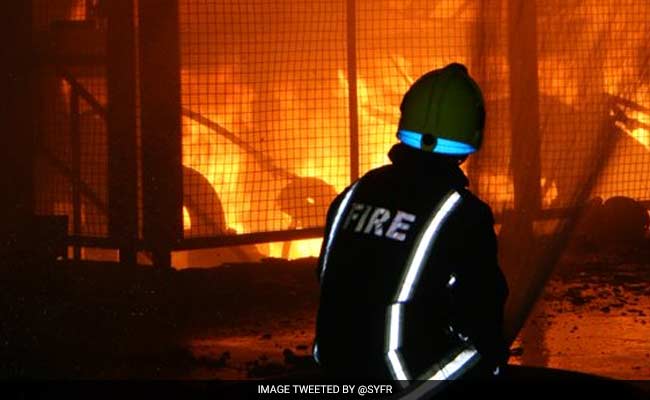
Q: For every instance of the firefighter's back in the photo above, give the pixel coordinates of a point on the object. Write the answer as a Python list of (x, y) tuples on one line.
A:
[(386, 216)]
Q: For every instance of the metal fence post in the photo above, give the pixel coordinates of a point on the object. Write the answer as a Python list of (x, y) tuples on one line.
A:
[(75, 141), (482, 46), (353, 103), (525, 151), (16, 125), (524, 106), (121, 124), (161, 144)]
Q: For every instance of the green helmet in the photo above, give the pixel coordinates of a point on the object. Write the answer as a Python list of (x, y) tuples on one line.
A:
[(443, 112)]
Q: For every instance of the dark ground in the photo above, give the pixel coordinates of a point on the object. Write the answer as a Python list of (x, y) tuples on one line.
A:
[(252, 321), (594, 315), (101, 320)]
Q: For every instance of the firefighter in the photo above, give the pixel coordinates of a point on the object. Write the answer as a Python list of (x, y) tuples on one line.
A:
[(411, 288)]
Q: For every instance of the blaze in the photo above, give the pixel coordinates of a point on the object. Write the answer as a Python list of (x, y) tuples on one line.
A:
[(77, 11), (640, 134), (187, 222)]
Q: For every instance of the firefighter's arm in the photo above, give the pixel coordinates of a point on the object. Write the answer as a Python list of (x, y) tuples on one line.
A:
[(480, 295), (328, 227), (319, 268)]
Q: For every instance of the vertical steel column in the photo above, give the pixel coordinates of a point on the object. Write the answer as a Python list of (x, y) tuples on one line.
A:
[(524, 160), (16, 123), (162, 179), (524, 107), (75, 144), (481, 48), (353, 103), (121, 124)]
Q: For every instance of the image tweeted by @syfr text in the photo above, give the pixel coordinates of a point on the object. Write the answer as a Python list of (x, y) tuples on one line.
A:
[(360, 390)]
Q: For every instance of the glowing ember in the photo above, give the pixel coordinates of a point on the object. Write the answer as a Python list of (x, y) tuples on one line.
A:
[(77, 11), (187, 222), (297, 248), (641, 135), (549, 192)]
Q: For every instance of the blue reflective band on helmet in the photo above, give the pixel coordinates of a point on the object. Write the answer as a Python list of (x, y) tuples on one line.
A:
[(443, 146), (410, 138)]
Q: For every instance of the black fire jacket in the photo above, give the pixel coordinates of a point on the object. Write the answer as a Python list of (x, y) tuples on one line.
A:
[(410, 283)]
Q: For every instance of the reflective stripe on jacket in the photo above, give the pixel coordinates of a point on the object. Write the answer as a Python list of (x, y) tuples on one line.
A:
[(410, 283)]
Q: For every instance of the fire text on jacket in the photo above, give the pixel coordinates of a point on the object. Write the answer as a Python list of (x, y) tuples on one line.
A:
[(378, 221)]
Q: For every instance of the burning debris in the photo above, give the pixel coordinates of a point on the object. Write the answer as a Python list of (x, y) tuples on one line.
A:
[(618, 221), (306, 201)]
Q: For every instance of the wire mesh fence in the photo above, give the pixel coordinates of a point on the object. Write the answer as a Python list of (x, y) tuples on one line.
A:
[(593, 75), (71, 164), (282, 99), (267, 122), (72, 159)]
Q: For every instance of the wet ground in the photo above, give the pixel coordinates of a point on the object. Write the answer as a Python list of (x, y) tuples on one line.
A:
[(594, 316), (254, 321)]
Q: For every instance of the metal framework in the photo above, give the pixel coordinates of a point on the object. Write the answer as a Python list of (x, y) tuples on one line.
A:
[(124, 129)]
